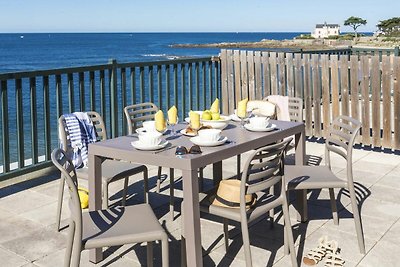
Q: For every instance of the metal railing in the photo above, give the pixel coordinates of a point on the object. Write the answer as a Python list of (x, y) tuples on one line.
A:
[(31, 102)]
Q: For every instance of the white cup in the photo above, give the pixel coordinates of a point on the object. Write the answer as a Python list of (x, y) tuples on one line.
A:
[(150, 138), (259, 122), (149, 126), (209, 135)]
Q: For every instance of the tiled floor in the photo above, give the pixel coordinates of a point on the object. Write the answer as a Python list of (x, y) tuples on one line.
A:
[(28, 236)]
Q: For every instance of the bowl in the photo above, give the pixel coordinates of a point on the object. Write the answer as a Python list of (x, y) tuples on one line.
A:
[(217, 124)]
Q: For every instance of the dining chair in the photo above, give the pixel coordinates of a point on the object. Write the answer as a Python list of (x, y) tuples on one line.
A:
[(112, 170), (256, 179), (114, 226), (342, 134)]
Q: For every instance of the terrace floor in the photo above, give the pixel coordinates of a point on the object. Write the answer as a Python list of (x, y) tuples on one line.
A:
[(28, 236)]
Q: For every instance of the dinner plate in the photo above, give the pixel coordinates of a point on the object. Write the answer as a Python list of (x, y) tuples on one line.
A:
[(197, 141), (142, 130), (183, 131), (270, 127), (140, 146)]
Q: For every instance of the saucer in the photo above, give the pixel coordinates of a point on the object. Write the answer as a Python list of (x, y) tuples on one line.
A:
[(183, 131), (142, 130), (140, 146), (197, 141), (270, 127)]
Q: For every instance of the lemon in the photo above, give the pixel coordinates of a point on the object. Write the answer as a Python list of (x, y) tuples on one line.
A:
[(215, 116), (206, 115)]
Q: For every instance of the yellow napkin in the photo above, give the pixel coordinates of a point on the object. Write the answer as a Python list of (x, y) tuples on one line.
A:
[(83, 197), (215, 106), (242, 108), (194, 120), (172, 115), (160, 121)]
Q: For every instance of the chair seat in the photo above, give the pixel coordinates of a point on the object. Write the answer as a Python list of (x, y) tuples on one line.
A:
[(120, 225), (113, 170), (312, 177), (264, 203)]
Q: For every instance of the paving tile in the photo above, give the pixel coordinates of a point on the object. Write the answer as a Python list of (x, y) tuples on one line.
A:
[(390, 180), (14, 227), (24, 201), (381, 209), (374, 167), (46, 215), (381, 157), (385, 193), (10, 259)]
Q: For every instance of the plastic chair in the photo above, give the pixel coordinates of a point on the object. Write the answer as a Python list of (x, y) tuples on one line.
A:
[(340, 140), (112, 170), (257, 178), (108, 227)]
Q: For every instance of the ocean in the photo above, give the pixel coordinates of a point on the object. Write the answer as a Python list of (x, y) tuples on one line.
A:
[(34, 51)]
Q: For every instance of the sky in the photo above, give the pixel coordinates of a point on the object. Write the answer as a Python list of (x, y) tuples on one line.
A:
[(23, 16)]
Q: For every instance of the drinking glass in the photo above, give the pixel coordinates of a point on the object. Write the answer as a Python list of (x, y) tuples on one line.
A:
[(244, 119), (172, 127)]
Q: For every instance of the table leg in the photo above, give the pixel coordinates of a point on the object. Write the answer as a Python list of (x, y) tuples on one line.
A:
[(301, 195), (95, 255), (191, 218), (217, 172)]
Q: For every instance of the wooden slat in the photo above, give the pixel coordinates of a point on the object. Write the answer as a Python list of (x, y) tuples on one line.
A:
[(355, 79), (274, 73), (335, 86), (326, 116), (307, 95), (266, 75), (365, 110), (387, 103), (251, 75), (231, 81), (282, 76), (376, 101), (298, 84), (244, 75), (316, 94), (236, 65), (344, 85), (224, 82), (257, 63), (290, 74), (396, 101)]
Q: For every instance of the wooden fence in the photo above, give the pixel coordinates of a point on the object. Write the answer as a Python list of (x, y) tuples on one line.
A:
[(363, 87)]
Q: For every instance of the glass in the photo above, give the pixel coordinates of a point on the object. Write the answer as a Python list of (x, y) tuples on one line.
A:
[(244, 119), (172, 126), (182, 150)]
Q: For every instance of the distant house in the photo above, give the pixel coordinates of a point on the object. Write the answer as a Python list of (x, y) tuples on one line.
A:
[(325, 30)]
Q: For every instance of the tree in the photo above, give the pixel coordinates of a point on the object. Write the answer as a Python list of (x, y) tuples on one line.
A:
[(390, 27), (355, 22)]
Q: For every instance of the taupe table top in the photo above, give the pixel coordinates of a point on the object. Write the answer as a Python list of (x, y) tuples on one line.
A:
[(239, 141)]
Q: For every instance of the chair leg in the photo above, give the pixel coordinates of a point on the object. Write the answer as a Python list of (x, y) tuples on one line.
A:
[(238, 159), (333, 206), (60, 201), (183, 252), (272, 211), (164, 248), (226, 234), (289, 232), (70, 238), (124, 191), (146, 185), (246, 243), (77, 247), (201, 179), (105, 196), (357, 221), (171, 193), (159, 179), (150, 254)]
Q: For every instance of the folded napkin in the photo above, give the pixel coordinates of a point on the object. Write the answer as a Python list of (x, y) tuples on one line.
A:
[(242, 108), (215, 106), (172, 115), (194, 120), (160, 121), (262, 108)]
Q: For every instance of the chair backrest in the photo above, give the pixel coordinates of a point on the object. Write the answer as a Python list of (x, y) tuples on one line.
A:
[(263, 169), (296, 109), (97, 121), (136, 114), (340, 140), (67, 169)]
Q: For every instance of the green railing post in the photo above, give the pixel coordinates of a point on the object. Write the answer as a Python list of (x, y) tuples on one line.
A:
[(396, 51), (114, 98)]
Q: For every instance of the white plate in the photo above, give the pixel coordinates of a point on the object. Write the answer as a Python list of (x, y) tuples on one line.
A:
[(183, 131), (270, 127), (141, 146), (197, 141), (142, 130)]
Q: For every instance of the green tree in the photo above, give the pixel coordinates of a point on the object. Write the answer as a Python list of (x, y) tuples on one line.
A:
[(355, 22), (390, 27)]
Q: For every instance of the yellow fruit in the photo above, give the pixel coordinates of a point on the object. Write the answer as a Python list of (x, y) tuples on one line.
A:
[(215, 116), (206, 115)]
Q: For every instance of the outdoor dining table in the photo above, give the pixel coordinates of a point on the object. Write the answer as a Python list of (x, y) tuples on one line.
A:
[(239, 141)]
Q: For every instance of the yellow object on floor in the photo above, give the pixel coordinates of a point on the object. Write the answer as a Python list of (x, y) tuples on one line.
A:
[(83, 197)]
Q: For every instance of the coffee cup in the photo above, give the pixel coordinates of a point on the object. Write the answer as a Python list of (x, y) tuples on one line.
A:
[(259, 122), (149, 126), (150, 138), (209, 135)]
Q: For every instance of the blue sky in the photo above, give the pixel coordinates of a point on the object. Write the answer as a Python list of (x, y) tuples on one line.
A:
[(187, 15)]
